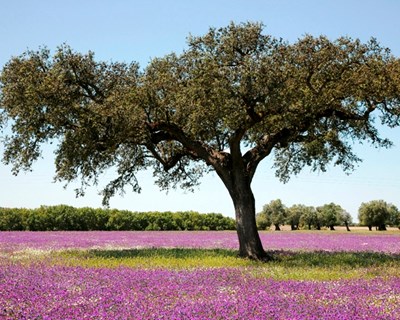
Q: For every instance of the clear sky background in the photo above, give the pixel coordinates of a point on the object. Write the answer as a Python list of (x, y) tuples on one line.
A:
[(139, 30)]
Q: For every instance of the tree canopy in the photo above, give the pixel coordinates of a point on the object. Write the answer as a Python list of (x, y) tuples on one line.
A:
[(332, 215), (274, 213), (377, 213), (302, 216), (234, 97), (298, 214)]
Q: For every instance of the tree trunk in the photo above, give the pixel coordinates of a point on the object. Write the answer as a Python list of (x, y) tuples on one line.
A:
[(237, 176), (332, 228), (370, 228), (347, 226), (382, 227), (250, 245), (277, 228)]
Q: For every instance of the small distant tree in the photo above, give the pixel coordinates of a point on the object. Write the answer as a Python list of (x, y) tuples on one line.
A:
[(263, 221), (330, 215), (319, 219), (276, 213), (346, 219), (375, 213), (309, 217), (394, 216), (294, 214)]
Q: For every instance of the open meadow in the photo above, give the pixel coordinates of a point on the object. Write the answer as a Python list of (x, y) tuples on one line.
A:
[(197, 275)]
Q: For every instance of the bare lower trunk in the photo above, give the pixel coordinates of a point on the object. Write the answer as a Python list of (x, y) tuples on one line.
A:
[(237, 177), (277, 228), (250, 245)]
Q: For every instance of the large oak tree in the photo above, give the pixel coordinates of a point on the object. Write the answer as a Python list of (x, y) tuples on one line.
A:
[(233, 98)]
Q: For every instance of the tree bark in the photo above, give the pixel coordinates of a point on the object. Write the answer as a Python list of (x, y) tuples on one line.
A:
[(250, 245), (277, 228), (382, 227), (238, 185), (237, 173)]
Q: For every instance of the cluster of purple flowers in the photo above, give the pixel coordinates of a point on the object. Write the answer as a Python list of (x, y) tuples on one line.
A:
[(13, 241), (54, 292), (39, 290)]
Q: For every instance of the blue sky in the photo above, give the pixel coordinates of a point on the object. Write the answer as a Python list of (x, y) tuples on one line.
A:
[(122, 30)]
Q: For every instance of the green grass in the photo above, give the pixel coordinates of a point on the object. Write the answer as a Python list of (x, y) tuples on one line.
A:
[(330, 265), (286, 264), (175, 258)]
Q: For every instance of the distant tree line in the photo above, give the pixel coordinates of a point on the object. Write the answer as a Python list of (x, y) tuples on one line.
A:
[(68, 218), (377, 213)]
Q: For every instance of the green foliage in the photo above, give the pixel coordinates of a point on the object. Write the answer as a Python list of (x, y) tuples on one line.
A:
[(331, 215), (273, 213), (294, 214), (263, 221), (12, 219), (308, 216), (62, 217), (301, 216), (38, 220), (377, 213), (394, 216), (186, 114), (232, 87), (92, 219), (346, 219), (125, 220)]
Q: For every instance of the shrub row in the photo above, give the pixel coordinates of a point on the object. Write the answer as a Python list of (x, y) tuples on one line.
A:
[(67, 218)]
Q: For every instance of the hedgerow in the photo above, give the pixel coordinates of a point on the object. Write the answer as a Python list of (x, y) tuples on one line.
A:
[(68, 218)]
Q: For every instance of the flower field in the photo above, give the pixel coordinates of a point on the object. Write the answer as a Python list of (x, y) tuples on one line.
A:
[(197, 275), (312, 241)]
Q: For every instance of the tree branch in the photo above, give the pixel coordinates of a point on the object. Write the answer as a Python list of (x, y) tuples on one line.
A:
[(161, 131), (166, 163), (254, 156)]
